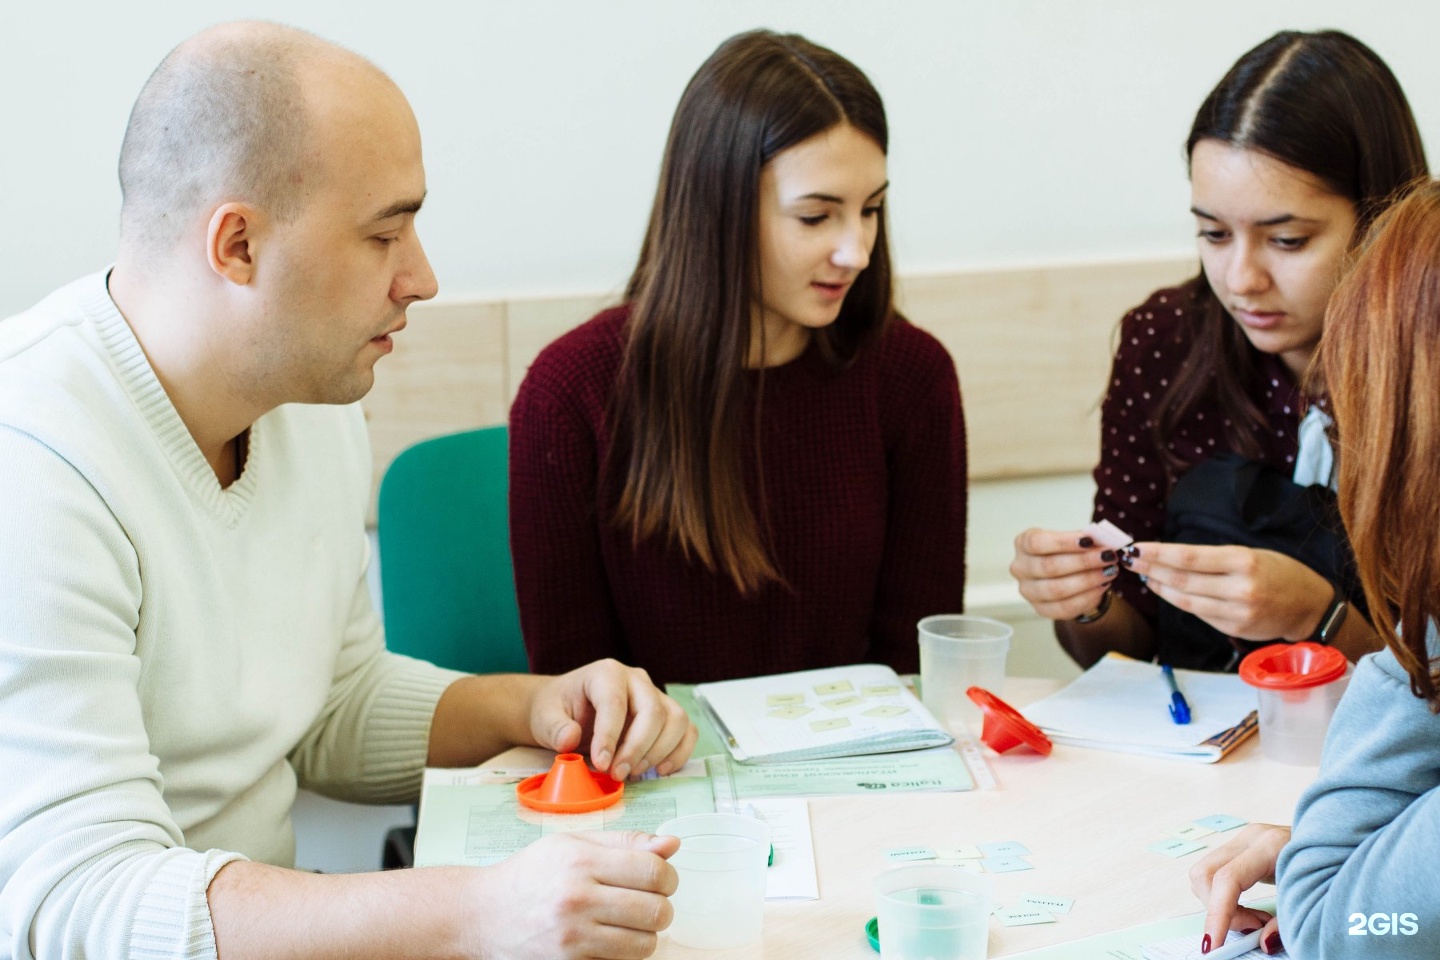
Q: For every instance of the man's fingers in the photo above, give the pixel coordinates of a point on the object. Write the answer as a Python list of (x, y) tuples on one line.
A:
[(634, 860)]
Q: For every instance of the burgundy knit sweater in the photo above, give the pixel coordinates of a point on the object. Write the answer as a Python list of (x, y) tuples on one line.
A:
[(1131, 482), (864, 476)]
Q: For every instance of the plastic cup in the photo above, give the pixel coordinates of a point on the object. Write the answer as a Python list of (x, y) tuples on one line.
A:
[(720, 901), (1298, 686), (958, 652), (933, 913)]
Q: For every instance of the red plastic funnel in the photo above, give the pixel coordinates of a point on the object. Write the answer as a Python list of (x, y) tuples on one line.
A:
[(569, 787), (1004, 727)]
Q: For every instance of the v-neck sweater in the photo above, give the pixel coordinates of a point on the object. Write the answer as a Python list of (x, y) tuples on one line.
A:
[(175, 658)]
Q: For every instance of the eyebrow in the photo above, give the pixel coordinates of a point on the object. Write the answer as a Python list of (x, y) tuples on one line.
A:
[(399, 207), (831, 198), (1268, 222)]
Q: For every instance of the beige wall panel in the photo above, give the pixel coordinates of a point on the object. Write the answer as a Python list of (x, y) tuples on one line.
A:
[(447, 374), (533, 324), (1033, 349)]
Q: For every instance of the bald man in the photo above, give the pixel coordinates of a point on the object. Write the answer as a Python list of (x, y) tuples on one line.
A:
[(185, 632)]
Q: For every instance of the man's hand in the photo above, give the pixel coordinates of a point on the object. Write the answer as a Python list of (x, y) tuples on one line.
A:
[(614, 711), (575, 895)]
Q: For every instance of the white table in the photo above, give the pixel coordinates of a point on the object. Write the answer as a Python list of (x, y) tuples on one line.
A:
[(1086, 816)]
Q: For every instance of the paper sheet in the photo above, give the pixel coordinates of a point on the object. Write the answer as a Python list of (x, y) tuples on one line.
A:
[(1187, 947), (940, 768), (480, 824), (1126, 944), (792, 875)]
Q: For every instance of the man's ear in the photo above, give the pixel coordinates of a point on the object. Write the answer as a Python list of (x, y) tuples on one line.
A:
[(230, 242)]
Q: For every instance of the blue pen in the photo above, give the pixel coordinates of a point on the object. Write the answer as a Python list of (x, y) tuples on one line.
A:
[(1179, 709)]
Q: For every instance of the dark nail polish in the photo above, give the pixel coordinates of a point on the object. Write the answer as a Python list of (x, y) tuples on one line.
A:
[(1108, 556), (1248, 930), (1272, 942), (1086, 543), (1110, 571), (1133, 550), (1205, 944), (1126, 560)]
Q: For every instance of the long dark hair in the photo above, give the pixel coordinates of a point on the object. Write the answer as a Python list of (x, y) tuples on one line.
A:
[(1381, 353), (1320, 102), (680, 406)]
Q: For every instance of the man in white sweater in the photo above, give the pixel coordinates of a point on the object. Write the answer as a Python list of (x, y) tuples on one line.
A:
[(185, 633)]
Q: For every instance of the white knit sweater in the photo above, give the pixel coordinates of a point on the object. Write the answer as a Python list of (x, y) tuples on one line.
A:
[(174, 657)]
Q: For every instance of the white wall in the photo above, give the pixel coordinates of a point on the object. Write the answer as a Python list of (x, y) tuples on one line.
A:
[(1026, 130)]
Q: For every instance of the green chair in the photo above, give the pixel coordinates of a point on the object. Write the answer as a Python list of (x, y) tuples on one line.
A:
[(447, 585)]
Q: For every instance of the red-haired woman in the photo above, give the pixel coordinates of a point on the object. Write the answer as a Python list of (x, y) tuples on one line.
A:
[(753, 464), (1291, 156), (1354, 877)]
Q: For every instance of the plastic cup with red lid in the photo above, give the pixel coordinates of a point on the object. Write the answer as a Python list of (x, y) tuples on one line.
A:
[(1298, 686)]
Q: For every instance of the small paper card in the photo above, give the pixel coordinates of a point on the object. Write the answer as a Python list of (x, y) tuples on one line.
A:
[(784, 699), (909, 853), (1175, 847), (1004, 864), (1042, 902), (888, 710), (842, 703), (834, 723), (1190, 831), (1220, 822), (830, 689), (970, 852), (1106, 534), (1019, 916), (789, 713), (1004, 848)]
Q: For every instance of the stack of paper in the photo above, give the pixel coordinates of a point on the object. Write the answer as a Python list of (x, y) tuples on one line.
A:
[(818, 714), (1123, 704)]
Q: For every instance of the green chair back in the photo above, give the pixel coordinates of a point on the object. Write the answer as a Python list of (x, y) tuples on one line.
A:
[(447, 584)]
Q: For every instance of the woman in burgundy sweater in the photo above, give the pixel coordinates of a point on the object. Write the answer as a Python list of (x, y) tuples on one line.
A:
[(1291, 157), (753, 464)]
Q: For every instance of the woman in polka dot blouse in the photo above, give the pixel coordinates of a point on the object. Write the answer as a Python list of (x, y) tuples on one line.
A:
[(1291, 156)]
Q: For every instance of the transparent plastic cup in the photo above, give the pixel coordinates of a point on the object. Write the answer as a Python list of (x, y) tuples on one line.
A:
[(1298, 686), (720, 901), (958, 652), (933, 913)]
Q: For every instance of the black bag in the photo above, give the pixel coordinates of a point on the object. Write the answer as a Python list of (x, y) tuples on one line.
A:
[(1232, 500)]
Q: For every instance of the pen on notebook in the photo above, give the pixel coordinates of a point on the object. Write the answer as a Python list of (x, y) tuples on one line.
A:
[(1235, 948), (1179, 709)]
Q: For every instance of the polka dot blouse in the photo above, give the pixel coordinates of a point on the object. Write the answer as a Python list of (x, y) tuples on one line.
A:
[(1131, 481)]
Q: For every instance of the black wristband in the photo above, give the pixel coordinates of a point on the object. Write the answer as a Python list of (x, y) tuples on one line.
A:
[(1332, 619), (1099, 611)]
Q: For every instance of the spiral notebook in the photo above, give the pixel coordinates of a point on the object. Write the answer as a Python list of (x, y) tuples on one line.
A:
[(1123, 704), (819, 714)]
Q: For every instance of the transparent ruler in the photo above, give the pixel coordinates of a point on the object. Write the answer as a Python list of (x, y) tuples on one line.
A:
[(969, 749)]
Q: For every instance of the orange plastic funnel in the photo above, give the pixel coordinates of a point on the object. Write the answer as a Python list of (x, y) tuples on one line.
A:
[(569, 787), (1004, 727)]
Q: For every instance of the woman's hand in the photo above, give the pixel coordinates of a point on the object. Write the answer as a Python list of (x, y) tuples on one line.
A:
[(1062, 573), (1244, 593), (1226, 872)]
